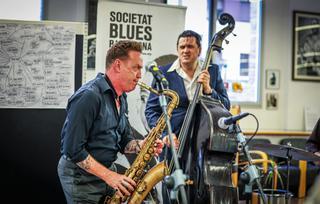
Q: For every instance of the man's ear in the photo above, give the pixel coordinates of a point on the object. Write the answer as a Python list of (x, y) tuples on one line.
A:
[(199, 51), (117, 65)]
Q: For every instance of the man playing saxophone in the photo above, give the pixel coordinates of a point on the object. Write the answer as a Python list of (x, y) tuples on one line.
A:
[(97, 128)]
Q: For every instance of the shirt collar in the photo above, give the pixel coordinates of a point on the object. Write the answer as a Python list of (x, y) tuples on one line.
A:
[(105, 84), (176, 67)]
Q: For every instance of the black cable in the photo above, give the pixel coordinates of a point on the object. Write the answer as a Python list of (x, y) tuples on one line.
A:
[(255, 132)]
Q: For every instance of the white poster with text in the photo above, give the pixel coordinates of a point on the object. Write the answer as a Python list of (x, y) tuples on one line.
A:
[(156, 26)]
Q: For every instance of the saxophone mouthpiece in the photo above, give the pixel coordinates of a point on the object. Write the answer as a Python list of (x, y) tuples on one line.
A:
[(149, 88)]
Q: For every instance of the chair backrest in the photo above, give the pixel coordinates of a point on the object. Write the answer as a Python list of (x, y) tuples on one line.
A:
[(258, 141), (255, 141), (295, 142)]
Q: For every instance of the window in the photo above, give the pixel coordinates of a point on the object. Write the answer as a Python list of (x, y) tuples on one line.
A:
[(239, 60), (244, 64), (27, 10)]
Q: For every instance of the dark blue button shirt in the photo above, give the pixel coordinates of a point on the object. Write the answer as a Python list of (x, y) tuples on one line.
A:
[(93, 124)]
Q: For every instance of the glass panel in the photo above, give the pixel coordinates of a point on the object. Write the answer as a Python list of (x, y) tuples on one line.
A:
[(240, 59), (27, 10)]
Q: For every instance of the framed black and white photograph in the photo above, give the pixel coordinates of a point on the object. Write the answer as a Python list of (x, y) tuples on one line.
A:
[(272, 101), (306, 46), (91, 52), (273, 79)]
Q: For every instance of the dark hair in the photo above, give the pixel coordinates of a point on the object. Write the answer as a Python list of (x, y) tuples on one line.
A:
[(190, 33), (121, 49)]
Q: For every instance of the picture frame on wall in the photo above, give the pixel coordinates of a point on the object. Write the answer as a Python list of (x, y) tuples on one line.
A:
[(272, 100), (272, 79), (91, 52), (306, 46)]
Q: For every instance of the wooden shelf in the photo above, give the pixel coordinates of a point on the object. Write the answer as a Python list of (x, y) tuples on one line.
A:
[(279, 133)]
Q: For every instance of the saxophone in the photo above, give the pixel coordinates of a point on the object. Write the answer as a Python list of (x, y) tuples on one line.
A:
[(137, 169)]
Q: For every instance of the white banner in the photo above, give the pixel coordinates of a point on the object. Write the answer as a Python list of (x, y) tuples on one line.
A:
[(156, 26)]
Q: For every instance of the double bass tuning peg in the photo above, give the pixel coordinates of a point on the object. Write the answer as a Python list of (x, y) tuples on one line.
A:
[(227, 41)]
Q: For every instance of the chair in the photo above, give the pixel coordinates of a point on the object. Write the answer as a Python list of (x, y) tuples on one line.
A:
[(259, 157), (264, 164), (264, 156)]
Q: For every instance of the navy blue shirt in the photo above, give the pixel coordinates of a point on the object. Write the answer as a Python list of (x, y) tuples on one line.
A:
[(93, 124)]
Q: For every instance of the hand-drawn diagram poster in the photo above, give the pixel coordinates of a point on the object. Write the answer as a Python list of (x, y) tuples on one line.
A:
[(36, 64)]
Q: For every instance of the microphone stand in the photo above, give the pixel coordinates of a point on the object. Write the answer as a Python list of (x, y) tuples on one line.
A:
[(251, 174), (289, 158), (177, 179)]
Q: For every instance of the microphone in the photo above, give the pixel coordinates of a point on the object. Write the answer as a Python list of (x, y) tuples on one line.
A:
[(224, 122), (158, 75)]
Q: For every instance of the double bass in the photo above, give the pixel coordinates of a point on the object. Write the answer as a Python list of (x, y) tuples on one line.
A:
[(207, 152)]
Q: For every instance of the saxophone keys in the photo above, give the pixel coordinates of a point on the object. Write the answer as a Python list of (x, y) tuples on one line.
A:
[(146, 157), (150, 150), (142, 164), (142, 187), (139, 173), (136, 179)]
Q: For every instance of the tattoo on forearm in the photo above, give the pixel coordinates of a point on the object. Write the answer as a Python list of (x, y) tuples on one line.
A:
[(132, 147), (86, 164)]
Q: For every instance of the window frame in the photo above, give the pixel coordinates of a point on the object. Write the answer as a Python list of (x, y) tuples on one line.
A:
[(212, 19), (258, 102)]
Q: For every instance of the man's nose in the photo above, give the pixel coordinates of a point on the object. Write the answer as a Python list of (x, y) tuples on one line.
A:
[(139, 74)]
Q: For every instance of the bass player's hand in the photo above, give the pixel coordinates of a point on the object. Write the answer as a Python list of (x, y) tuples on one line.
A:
[(158, 146), (176, 141)]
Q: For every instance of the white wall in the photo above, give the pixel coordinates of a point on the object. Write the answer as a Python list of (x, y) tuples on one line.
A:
[(276, 54)]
